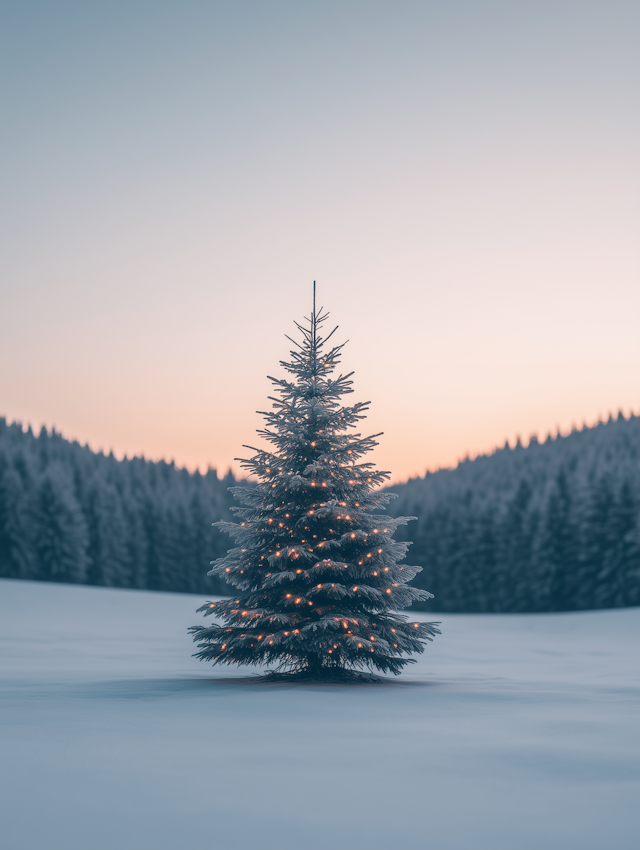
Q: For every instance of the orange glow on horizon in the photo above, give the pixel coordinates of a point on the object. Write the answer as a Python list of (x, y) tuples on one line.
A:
[(478, 249)]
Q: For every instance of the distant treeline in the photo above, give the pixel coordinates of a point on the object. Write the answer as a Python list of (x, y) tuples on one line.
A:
[(551, 527), (71, 515)]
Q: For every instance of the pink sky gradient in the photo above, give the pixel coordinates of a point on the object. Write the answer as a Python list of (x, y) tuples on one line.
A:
[(464, 187)]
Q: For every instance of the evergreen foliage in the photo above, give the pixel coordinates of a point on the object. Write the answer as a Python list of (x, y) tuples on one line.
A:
[(551, 527), (487, 533), (69, 514), (315, 563)]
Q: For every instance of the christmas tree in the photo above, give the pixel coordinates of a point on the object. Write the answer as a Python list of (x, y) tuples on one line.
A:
[(315, 564)]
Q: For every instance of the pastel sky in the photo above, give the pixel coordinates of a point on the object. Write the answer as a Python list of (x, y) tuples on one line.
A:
[(461, 178)]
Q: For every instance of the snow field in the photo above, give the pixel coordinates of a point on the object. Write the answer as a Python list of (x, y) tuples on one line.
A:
[(511, 733)]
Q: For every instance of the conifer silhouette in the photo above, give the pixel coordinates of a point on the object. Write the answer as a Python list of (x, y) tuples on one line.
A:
[(315, 564)]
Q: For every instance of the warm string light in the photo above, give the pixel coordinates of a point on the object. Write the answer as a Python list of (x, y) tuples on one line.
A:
[(293, 553)]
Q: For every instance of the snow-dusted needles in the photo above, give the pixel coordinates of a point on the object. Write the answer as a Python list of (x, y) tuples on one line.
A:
[(315, 562)]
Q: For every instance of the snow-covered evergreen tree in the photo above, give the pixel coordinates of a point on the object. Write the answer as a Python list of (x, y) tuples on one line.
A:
[(316, 566), (61, 532), (16, 553), (106, 552)]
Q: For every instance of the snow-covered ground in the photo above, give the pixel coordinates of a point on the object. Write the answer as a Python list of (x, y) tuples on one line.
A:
[(511, 733)]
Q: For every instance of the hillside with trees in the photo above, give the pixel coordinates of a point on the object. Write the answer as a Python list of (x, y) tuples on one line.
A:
[(69, 514), (554, 526)]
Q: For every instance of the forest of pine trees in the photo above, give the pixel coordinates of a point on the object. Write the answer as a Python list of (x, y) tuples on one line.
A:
[(71, 515), (551, 527)]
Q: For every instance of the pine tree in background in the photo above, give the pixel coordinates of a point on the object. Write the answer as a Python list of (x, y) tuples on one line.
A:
[(316, 565), (61, 532), (16, 560)]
